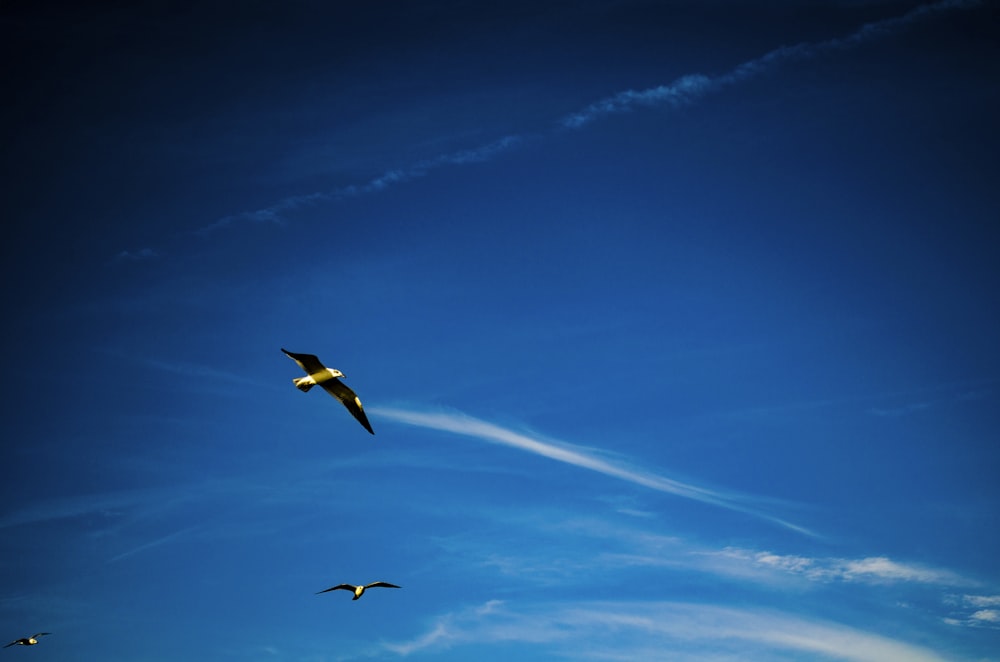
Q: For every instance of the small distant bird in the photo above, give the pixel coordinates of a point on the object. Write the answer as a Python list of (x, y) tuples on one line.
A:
[(317, 373), (358, 590), (27, 641)]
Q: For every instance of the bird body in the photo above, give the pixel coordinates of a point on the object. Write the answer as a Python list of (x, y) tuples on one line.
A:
[(27, 641), (358, 590), (328, 378)]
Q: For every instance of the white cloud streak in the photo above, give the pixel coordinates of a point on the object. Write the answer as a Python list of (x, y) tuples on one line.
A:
[(987, 615), (676, 630), (274, 213), (562, 553), (692, 87), (464, 425), (684, 91), (982, 600), (869, 570), (975, 611)]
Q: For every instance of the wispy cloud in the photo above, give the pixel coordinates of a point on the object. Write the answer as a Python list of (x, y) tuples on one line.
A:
[(674, 630), (868, 570), (683, 91), (937, 396), (902, 410), (152, 543), (692, 87), (109, 504), (887, 404), (136, 256), (198, 373), (982, 600), (630, 544), (986, 615), (274, 213), (880, 568), (464, 425), (977, 611)]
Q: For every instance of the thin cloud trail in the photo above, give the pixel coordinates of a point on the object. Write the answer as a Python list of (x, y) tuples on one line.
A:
[(684, 91), (473, 427), (658, 630), (151, 544), (872, 570), (273, 214), (690, 88), (55, 509)]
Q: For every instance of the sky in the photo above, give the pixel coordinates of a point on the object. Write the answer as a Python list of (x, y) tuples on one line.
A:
[(676, 323)]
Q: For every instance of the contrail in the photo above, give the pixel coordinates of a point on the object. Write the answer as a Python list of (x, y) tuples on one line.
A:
[(684, 91), (473, 427), (151, 544), (692, 87), (273, 213)]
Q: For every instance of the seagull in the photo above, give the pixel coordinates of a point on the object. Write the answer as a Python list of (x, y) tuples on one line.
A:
[(317, 373), (27, 641), (358, 590)]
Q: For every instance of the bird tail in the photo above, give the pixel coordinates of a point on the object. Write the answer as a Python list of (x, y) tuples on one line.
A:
[(304, 383)]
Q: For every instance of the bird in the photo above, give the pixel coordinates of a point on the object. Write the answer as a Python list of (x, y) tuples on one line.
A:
[(27, 641), (358, 590), (317, 373)]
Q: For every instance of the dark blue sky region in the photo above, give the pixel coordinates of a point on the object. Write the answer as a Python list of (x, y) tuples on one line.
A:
[(675, 321)]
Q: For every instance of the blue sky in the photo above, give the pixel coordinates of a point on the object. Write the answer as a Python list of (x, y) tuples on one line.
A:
[(676, 323)]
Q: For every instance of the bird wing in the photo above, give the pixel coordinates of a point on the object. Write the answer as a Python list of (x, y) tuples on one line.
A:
[(349, 399), (308, 362), (12, 643), (383, 584), (39, 634), (346, 587)]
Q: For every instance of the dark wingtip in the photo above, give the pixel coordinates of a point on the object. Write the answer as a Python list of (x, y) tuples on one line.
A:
[(360, 416), (363, 419)]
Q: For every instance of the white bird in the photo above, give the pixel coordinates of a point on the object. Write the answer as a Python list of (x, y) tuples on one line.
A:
[(358, 590), (317, 373), (27, 641)]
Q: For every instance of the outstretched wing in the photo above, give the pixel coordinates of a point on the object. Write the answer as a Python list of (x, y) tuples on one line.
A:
[(346, 587), (349, 399), (39, 634), (308, 362), (383, 584), (12, 643)]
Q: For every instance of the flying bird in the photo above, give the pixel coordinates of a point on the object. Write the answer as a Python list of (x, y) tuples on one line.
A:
[(317, 373), (358, 590), (27, 641)]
